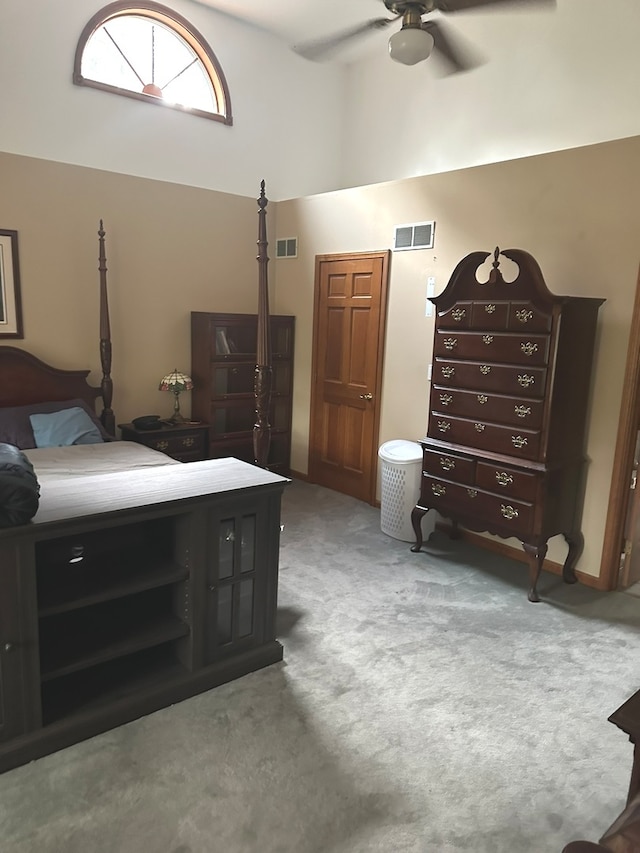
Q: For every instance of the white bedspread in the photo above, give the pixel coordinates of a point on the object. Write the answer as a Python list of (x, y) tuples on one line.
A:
[(89, 459)]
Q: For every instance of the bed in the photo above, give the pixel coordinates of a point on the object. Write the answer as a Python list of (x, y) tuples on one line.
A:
[(42, 406), (139, 581)]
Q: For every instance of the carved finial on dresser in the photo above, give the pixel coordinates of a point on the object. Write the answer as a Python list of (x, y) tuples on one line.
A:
[(495, 275)]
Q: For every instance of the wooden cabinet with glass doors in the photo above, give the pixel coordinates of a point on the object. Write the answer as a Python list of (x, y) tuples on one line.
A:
[(223, 360)]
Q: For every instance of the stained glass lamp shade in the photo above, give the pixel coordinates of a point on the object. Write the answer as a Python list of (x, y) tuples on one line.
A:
[(176, 382)]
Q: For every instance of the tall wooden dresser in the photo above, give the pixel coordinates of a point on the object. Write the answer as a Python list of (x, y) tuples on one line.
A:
[(505, 445)]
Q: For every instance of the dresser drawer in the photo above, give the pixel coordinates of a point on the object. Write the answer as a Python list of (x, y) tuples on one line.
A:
[(488, 511), (453, 466), (508, 441), (479, 406), (521, 381), (503, 347), (489, 315), (524, 315), (175, 445), (508, 481), (457, 317)]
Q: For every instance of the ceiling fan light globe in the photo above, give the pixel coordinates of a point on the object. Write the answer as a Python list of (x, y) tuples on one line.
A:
[(410, 45)]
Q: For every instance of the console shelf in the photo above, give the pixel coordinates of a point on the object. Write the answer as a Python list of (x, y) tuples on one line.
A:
[(147, 597)]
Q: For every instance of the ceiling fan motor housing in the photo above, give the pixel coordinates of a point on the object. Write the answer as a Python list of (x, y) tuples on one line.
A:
[(401, 7)]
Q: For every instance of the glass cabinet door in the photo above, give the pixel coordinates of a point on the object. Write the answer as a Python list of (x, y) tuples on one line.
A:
[(236, 416), (234, 581), (238, 339), (233, 379)]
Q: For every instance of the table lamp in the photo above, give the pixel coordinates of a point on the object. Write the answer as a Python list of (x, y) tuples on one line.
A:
[(176, 382)]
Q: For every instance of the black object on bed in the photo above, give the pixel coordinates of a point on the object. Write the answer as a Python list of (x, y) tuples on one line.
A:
[(19, 488)]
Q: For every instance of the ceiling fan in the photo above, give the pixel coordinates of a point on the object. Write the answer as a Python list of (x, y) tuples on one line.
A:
[(416, 39)]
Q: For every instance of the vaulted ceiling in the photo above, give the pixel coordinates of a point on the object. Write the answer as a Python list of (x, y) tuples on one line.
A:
[(298, 21)]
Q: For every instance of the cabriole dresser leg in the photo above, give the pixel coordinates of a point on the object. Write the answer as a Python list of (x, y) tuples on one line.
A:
[(575, 541), (536, 555), (417, 514)]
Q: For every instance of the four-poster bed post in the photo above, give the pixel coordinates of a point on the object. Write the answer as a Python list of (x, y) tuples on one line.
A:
[(263, 369), (106, 385)]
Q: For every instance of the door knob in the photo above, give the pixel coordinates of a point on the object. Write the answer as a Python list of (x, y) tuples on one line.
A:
[(366, 396)]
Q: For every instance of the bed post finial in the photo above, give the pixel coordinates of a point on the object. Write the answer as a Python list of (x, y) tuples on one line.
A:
[(106, 416), (263, 370)]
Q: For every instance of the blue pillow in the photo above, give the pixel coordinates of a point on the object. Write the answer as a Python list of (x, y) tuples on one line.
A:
[(60, 429)]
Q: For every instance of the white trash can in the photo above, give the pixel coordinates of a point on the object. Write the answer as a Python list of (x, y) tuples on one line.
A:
[(400, 474)]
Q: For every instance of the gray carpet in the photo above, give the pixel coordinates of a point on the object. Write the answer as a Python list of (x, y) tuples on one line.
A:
[(424, 705)]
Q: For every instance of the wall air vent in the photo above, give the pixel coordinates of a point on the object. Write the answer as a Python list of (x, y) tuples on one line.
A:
[(287, 248), (418, 235)]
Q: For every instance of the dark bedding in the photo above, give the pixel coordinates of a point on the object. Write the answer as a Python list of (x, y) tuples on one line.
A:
[(19, 488)]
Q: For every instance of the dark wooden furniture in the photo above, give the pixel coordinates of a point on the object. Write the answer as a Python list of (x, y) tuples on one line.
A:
[(185, 442), (627, 718), (223, 365), (505, 445), (623, 836), (129, 592)]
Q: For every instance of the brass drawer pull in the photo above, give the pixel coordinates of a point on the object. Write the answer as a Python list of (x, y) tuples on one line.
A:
[(523, 315), (479, 427), (450, 343), (458, 314), (485, 369), (522, 411), (161, 445), (525, 380), (490, 308), (445, 399), (473, 493), (503, 478), (518, 441), (528, 348), (444, 426), (438, 490), (188, 442), (448, 372), (508, 511), (447, 464), (488, 339), (482, 399)]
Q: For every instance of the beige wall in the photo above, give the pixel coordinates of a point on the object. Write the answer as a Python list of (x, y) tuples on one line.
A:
[(575, 211), (171, 250)]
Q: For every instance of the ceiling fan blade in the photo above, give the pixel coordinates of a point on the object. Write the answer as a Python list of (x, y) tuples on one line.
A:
[(450, 6), (321, 48), (456, 56)]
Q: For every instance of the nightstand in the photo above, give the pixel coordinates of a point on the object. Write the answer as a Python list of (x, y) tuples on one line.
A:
[(187, 442)]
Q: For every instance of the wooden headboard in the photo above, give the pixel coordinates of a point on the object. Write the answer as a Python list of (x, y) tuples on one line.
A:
[(25, 379)]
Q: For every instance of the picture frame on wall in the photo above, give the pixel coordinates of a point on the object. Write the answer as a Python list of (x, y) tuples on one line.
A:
[(10, 303)]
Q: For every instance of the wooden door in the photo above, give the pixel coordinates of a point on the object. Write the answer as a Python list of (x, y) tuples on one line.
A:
[(630, 558), (621, 497), (348, 342)]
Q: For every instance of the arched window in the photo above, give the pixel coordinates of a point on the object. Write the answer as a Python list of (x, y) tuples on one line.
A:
[(149, 52)]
